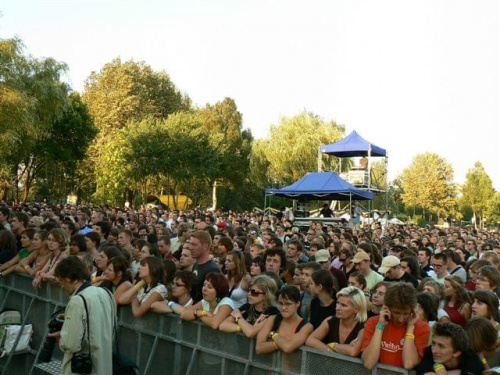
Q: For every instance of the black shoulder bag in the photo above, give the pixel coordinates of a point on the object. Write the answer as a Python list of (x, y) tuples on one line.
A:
[(82, 363)]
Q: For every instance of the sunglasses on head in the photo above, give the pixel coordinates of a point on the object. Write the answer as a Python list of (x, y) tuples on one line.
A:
[(255, 292)]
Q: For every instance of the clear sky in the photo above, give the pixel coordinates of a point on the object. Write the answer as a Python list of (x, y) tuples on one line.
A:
[(410, 76)]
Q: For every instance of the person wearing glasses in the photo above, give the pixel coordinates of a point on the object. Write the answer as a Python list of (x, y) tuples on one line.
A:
[(250, 317), (440, 264), (182, 289), (286, 331)]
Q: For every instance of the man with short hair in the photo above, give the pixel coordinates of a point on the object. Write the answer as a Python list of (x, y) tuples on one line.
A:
[(200, 243), (294, 250), (124, 241), (391, 268), (450, 353), (19, 223), (164, 247), (453, 267), (424, 259), (362, 264), (275, 260), (440, 266), (396, 337), (306, 282), (488, 278)]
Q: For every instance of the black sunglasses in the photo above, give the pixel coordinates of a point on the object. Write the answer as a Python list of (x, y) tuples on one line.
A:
[(255, 293)]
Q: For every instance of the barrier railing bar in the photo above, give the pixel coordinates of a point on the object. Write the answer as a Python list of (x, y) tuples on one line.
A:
[(151, 355)]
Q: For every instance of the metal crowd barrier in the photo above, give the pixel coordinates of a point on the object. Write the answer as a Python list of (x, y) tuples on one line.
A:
[(163, 344)]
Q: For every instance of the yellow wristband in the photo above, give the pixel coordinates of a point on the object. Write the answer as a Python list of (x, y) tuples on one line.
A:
[(332, 346), (137, 287), (238, 328), (275, 345), (204, 313), (276, 334), (26, 267), (438, 368), (410, 336), (484, 361)]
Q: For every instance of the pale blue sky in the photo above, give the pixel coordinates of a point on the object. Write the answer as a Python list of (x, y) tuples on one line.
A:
[(410, 76)]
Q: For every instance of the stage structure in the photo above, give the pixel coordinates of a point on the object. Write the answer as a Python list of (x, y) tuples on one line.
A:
[(362, 176)]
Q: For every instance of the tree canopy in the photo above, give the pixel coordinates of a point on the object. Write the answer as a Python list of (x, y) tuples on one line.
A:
[(428, 183)]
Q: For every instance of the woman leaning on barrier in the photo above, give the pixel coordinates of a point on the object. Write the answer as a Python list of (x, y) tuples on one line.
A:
[(119, 276), (343, 333), (286, 331), (149, 289), (215, 306), (183, 287), (250, 317)]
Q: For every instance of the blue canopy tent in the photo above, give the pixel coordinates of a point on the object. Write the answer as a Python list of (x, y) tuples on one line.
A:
[(321, 186), (353, 145)]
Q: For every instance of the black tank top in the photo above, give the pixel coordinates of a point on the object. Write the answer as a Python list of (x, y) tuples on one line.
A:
[(334, 336)]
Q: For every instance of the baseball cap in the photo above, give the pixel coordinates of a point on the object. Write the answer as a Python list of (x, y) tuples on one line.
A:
[(322, 255), (360, 256), (388, 262)]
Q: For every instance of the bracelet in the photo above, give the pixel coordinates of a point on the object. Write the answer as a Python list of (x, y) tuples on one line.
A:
[(485, 362), (275, 345), (238, 328), (136, 286), (204, 313), (332, 346), (380, 326), (410, 336), (94, 280), (172, 304), (276, 334), (438, 366), (26, 267)]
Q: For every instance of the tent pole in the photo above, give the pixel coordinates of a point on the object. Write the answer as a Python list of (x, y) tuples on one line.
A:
[(320, 159), (386, 186), (370, 206)]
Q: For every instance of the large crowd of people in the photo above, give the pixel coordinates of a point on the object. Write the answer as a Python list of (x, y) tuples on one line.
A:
[(421, 298)]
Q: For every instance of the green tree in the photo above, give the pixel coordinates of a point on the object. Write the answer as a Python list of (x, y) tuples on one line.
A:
[(33, 99), (123, 93), (477, 192), (292, 146), (428, 183), (492, 212)]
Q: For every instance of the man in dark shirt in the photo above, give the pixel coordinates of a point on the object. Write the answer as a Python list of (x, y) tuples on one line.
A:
[(450, 353), (326, 211), (391, 268), (200, 244)]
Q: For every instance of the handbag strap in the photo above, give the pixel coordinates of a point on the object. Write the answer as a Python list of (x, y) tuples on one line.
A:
[(88, 324)]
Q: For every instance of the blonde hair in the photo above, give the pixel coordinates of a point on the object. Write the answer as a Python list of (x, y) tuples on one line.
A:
[(358, 299)]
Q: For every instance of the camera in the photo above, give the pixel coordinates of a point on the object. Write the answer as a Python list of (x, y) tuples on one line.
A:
[(55, 324)]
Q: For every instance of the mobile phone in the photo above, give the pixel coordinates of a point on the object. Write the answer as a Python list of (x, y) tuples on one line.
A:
[(387, 318)]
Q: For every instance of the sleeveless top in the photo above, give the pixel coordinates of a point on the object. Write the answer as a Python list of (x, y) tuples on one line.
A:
[(238, 295), (334, 335), (279, 319), (319, 313), (455, 316)]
